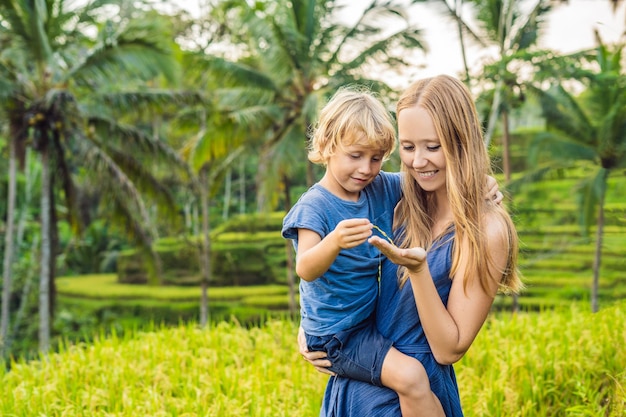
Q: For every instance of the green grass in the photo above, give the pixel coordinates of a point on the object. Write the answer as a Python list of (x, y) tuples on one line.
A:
[(105, 286), (564, 362), (226, 370)]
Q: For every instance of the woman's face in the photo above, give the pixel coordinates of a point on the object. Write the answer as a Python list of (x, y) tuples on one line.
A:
[(420, 149)]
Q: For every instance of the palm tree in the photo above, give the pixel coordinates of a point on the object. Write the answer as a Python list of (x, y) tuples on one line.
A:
[(209, 134), (288, 57), (69, 86), (453, 10), (513, 31), (16, 140), (589, 127), (8, 247)]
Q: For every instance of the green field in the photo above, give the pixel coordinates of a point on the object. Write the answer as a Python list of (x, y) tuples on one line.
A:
[(133, 349), (555, 363)]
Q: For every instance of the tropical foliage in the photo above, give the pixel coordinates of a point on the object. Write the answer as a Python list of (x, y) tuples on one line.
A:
[(123, 122), (590, 127), (289, 58), (67, 96)]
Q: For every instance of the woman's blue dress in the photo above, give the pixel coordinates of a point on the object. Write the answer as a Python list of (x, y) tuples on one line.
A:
[(398, 320)]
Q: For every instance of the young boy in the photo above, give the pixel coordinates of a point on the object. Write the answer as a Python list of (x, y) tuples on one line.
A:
[(329, 226)]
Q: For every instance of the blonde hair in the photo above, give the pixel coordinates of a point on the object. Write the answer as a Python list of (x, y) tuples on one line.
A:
[(352, 114), (451, 107)]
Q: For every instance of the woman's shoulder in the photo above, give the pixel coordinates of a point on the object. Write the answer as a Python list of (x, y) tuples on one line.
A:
[(498, 226)]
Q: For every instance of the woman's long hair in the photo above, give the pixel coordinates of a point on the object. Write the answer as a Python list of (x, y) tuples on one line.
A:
[(450, 104)]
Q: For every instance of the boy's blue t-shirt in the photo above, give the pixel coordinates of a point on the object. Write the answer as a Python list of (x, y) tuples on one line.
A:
[(345, 295)]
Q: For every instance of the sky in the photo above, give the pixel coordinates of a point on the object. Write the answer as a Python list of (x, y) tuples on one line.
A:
[(569, 28)]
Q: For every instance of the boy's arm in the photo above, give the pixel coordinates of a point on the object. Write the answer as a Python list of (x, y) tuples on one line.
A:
[(315, 255), (493, 191)]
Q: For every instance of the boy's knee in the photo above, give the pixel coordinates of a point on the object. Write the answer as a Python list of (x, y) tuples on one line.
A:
[(413, 380)]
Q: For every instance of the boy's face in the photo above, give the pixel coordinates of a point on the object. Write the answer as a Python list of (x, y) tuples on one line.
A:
[(351, 169)]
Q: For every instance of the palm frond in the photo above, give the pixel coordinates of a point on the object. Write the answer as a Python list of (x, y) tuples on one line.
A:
[(236, 74), (380, 51), (214, 143), (138, 51), (529, 27), (131, 140), (563, 113), (11, 17), (127, 222), (588, 192), (273, 45), (551, 145), (160, 101), (455, 16), (529, 176), (128, 182), (64, 175)]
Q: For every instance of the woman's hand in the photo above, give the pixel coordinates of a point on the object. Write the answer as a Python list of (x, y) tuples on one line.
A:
[(413, 259), (317, 359)]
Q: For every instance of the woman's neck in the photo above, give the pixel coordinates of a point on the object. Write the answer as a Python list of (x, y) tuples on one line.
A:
[(443, 216)]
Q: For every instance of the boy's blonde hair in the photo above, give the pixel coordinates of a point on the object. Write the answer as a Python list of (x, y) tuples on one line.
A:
[(352, 114)]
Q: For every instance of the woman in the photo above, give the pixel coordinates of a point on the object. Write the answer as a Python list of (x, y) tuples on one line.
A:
[(454, 250)]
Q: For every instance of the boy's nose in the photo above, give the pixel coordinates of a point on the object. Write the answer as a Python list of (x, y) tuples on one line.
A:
[(365, 167)]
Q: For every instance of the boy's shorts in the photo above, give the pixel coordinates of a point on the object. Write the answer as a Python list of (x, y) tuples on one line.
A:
[(356, 353)]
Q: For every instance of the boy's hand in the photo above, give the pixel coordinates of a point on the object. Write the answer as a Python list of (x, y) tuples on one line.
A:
[(493, 191), (413, 259), (352, 232)]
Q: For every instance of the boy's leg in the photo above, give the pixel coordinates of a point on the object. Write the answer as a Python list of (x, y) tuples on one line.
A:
[(407, 376), (357, 353)]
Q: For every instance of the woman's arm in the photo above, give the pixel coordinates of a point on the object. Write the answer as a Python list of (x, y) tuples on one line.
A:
[(317, 359), (450, 331)]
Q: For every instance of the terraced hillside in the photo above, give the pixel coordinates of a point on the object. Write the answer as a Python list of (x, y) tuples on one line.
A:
[(557, 256)]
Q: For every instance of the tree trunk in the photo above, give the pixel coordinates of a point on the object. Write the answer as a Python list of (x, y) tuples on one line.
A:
[(506, 167), (44, 273), (291, 281), (54, 247), (242, 185), (495, 110), (597, 262), (458, 8), (8, 247), (504, 28), (506, 153), (196, 219), (31, 275), (187, 214), (227, 193), (205, 260), (24, 212), (310, 176)]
